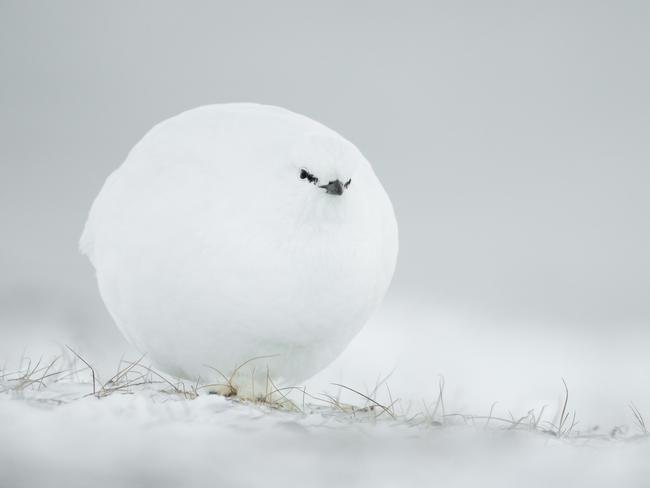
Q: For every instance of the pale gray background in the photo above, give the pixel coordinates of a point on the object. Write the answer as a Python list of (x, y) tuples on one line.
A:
[(512, 137)]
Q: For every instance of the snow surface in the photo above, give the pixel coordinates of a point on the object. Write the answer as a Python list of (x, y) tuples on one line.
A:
[(150, 439), (62, 435)]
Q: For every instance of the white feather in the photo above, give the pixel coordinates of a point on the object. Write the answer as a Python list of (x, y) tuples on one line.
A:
[(210, 250)]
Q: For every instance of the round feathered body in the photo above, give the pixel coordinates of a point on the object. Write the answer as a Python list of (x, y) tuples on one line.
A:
[(243, 239)]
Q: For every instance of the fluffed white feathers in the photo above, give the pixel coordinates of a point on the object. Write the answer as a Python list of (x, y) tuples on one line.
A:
[(211, 250)]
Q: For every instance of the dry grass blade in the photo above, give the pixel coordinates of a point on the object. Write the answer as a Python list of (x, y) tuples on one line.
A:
[(92, 370), (638, 418), (287, 401), (490, 415), (47, 369), (256, 358), (174, 387), (372, 400), (563, 414), (124, 371)]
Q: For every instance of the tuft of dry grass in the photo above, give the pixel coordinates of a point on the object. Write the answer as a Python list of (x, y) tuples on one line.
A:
[(129, 375), (133, 376)]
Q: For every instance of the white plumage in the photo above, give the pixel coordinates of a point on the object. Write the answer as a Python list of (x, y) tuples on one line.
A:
[(214, 244)]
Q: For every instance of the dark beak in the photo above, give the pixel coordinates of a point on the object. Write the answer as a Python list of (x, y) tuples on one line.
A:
[(333, 187)]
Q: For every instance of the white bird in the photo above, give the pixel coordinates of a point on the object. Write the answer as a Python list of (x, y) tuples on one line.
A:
[(244, 239)]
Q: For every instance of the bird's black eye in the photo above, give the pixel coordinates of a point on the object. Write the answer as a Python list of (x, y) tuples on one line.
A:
[(347, 183), (304, 174)]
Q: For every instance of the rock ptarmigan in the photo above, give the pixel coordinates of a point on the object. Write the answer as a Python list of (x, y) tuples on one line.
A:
[(244, 239)]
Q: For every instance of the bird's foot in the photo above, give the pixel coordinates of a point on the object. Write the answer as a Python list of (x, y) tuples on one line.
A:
[(227, 391)]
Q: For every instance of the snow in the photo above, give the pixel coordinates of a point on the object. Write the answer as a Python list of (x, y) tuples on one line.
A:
[(149, 435), (151, 439)]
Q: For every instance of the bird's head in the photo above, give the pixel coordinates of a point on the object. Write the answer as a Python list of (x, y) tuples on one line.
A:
[(326, 163)]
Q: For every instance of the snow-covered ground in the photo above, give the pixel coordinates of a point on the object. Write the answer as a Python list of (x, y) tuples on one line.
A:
[(503, 395), (151, 435), (159, 439)]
